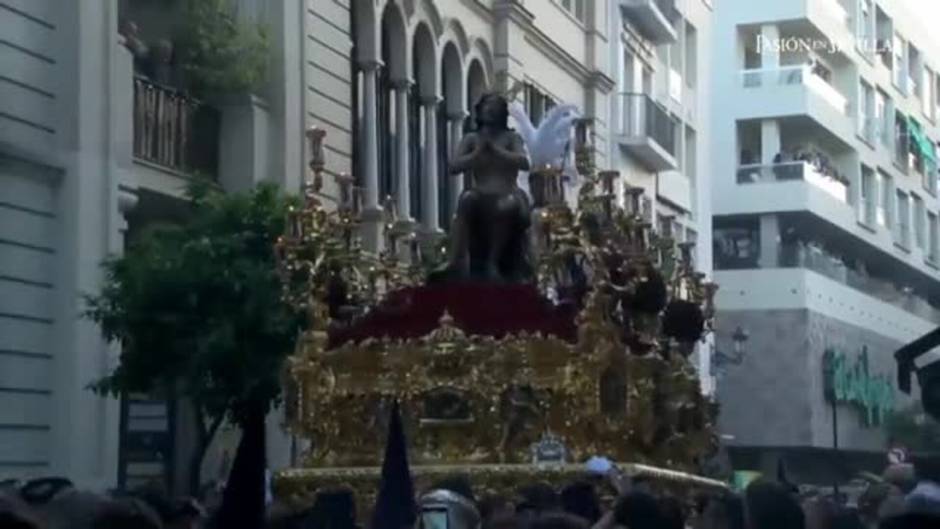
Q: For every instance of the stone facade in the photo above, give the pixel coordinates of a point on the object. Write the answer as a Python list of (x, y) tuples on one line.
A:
[(775, 398)]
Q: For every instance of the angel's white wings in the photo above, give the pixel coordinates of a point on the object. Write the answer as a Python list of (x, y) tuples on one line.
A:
[(551, 143)]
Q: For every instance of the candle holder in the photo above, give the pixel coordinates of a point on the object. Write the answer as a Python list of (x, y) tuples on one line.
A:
[(315, 137), (584, 150), (634, 195)]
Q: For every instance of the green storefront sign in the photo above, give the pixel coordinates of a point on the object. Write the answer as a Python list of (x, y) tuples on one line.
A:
[(850, 382)]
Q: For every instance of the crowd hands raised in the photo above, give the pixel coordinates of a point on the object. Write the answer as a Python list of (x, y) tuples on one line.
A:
[(899, 501)]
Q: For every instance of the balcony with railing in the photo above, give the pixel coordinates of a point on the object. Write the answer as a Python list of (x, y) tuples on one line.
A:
[(652, 18), (737, 250), (795, 171), (174, 131), (800, 74), (648, 132)]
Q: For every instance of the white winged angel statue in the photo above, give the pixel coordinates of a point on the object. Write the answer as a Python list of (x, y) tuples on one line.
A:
[(549, 144)]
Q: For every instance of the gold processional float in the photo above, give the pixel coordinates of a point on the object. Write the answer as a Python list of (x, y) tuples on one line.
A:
[(509, 409)]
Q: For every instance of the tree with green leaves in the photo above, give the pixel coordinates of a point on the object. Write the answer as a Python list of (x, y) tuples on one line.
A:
[(914, 429), (219, 52), (197, 308)]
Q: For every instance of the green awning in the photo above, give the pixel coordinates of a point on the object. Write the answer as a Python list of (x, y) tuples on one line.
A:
[(921, 141)]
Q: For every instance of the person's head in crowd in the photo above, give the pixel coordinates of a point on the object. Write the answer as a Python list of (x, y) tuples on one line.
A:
[(726, 511), (493, 505), (580, 499), (504, 520), (332, 509), (770, 505), (846, 519), (893, 506), (910, 521), (870, 501), (924, 499), (927, 469), (558, 520), (156, 498), (818, 512), (536, 499), (672, 511), (126, 513), (718, 511), (186, 513), (638, 510), (285, 520), (73, 509), (15, 514), (901, 475), (457, 483)]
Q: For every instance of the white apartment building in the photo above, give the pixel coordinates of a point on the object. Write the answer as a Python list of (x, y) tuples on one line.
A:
[(660, 121), (92, 150), (825, 222)]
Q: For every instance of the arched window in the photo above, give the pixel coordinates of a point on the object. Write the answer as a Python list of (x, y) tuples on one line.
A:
[(476, 86), (447, 136), (415, 148), (392, 34), (355, 72), (445, 186)]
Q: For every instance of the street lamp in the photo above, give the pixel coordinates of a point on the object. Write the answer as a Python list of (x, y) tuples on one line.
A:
[(736, 357)]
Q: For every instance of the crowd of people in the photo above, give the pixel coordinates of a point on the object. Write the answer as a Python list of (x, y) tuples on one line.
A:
[(899, 501)]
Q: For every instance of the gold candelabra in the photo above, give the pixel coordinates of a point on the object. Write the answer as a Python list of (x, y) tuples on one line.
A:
[(481, 400)]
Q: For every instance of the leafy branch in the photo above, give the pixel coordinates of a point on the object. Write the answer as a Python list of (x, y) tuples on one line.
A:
[(219, 52)]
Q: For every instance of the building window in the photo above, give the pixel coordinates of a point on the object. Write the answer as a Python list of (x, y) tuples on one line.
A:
[(537, 103), (936, 97), (883, 34), (901, 142), (867, 197), (416, 142), (866, 24), (736, 243), (915, 70), (932, 253), (675, 63), (387, 137), (866, 112), (575, 7), (903, 230), (885, 212), (884, 118), (664, 224), (445, 190), (646, 208), (929, 90), (691, 55), (690, 154), (920, 219), (900, 64)]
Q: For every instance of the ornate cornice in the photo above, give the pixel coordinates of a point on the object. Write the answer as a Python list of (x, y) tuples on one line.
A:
[(601, 81)]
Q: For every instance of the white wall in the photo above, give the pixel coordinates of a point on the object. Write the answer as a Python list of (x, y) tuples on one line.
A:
[(59, 173)]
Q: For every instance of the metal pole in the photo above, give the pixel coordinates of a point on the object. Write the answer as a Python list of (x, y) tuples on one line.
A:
[(835, 443)]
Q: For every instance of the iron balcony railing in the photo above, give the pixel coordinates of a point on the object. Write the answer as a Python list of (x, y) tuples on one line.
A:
[(174, 130), (644, 117)]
